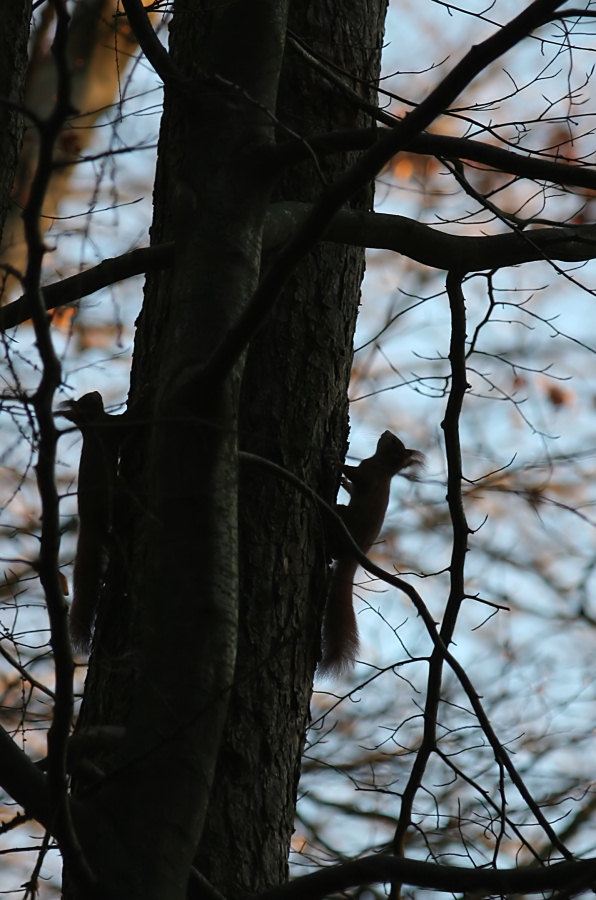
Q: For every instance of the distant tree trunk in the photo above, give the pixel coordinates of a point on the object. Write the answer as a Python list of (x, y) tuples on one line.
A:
[(100, 47), (15, 18), (211, 757)]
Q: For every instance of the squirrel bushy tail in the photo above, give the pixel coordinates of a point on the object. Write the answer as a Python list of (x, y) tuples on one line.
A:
[(89, 566), (340, 631)]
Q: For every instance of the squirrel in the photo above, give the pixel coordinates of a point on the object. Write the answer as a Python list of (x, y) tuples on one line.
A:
[(95, 495), (368, 485)]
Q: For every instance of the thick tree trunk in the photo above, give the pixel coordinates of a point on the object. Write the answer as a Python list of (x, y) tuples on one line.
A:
[(294, 411), (211, 758)]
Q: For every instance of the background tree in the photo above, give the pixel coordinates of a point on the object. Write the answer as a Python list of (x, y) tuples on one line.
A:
[(191, 730)]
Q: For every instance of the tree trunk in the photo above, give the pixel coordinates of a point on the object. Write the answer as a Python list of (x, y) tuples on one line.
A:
[(211, 757), (293, 411)]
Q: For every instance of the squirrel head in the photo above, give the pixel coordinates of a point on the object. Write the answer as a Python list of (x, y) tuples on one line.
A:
[(395, 455), (88, 408)]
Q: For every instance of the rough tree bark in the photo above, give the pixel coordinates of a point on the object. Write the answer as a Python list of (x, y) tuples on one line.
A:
[(293, 409)]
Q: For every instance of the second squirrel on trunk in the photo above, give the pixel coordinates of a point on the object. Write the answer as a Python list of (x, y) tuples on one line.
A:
[(368, 485), (96, 487)]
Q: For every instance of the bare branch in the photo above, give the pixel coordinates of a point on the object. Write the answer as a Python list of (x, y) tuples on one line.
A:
[(150, 44), (60, 823), (378, 869), (539, 168), (413, 239), (457, 359), (23, 781), (109, 271)]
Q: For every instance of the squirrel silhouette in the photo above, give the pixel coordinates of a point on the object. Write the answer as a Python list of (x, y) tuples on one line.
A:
[(368, 485), (95, 495)]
